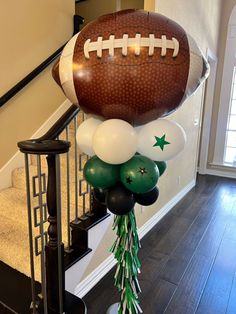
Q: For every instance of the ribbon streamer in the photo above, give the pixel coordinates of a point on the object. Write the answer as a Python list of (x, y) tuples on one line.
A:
[(125, 249)]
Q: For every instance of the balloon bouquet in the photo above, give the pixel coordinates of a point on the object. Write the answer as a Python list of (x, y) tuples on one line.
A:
[(128, 70)]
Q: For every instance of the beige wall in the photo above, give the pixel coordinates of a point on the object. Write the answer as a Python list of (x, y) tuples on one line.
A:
[(29, 33), (101, 7), (130, 4), (225, 15), (194, 17), (150, 5), (200, 18)]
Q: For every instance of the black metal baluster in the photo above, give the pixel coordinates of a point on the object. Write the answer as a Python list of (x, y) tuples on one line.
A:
[(54, 249)]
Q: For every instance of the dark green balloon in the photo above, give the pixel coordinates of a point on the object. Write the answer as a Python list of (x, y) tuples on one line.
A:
[(139, 174), (162, 165), (99, 174)]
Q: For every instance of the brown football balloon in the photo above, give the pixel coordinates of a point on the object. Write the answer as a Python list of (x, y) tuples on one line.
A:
[(131, 65)]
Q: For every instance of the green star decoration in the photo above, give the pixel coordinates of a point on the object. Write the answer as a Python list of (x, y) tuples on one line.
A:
[(161, 142), (142, 171), (129, 180)]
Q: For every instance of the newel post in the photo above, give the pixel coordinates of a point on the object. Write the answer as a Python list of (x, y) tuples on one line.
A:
[(55, 289)]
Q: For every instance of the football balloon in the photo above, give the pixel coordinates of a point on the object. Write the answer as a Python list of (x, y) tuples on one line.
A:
[(132, 65)]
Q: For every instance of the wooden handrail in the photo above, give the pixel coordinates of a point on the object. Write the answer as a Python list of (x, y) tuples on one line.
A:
[(78, 20), (28, 78), (46, 143)]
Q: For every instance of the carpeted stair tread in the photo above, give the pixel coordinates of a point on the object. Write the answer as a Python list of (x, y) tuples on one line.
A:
[(18, 174), (14, 243), (12, 196), (18, 180), (14, 247)]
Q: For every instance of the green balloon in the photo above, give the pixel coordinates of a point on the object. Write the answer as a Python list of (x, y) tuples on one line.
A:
[(101, 175), (139, 174), (162, 165)]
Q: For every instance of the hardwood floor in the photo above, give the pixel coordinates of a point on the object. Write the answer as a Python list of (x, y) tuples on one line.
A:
[(188, 259)]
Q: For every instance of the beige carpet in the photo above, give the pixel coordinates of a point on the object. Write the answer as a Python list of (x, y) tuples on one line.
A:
[(14, 242)]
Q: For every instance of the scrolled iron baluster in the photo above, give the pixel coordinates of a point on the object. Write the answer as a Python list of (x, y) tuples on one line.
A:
[(34, 304), (41, 229)]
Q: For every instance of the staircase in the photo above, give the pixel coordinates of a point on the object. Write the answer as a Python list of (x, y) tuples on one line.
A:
[(79, 213)]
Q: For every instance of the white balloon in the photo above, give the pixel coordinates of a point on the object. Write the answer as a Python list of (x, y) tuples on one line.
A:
[(84, 135), (161, 140), (115, 141)]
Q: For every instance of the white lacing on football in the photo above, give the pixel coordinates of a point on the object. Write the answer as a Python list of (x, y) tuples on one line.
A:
[(136, 43)]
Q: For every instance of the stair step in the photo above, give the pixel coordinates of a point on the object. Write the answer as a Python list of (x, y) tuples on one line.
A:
[(75, 256), (13, 205), (83, 250), (14, 246), (92, 221), (19, 186), (14, 230), (74, 305), (15, 294), (15, 289), (5, 309), (19, 183), (18, 174)]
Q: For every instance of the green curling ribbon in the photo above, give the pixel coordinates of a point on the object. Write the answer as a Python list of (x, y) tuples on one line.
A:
[(125, 249)]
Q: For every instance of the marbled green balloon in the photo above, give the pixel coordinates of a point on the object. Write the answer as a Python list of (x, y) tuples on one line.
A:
[(162, 165), (99, 174), (140, 174)]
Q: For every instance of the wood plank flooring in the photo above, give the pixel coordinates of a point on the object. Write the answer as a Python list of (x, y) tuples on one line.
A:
[(188, 259)]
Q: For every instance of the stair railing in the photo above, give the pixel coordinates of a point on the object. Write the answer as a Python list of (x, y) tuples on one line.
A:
[(56, 237)]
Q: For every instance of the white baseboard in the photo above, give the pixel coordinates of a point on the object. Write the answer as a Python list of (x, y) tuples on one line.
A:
[(94, 277), (17, 160), (220, 170), (221, 173)]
